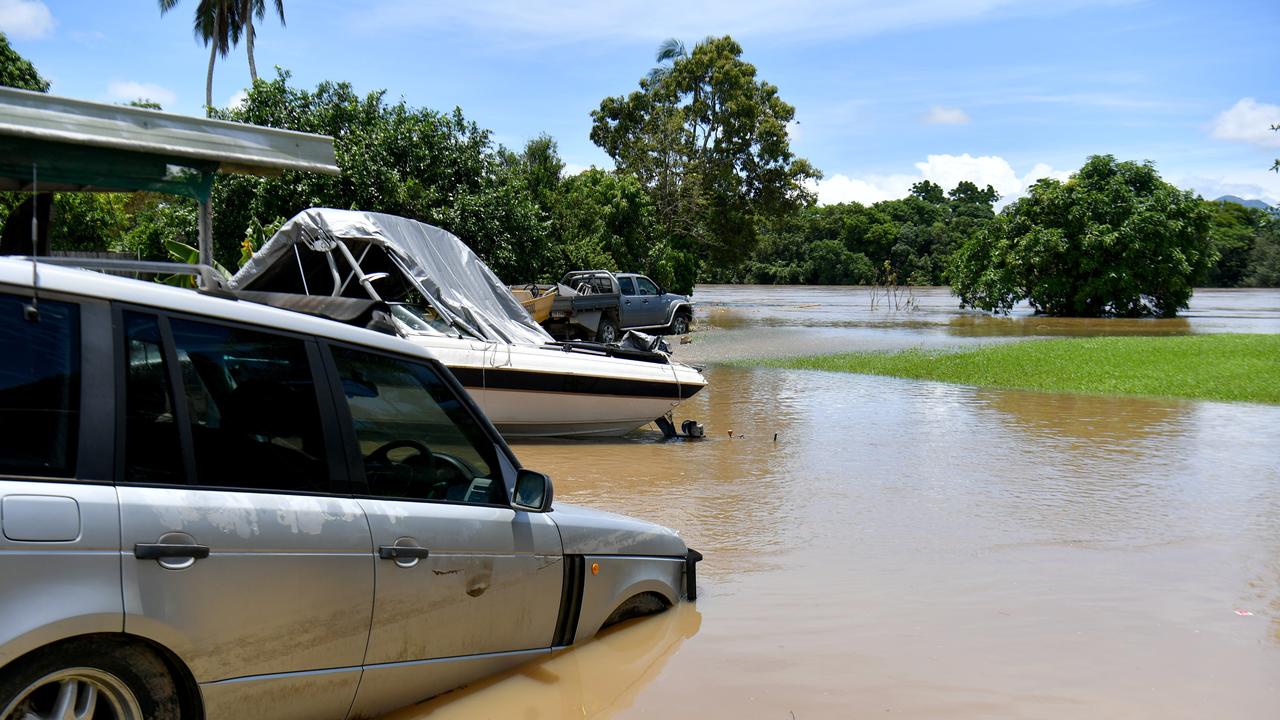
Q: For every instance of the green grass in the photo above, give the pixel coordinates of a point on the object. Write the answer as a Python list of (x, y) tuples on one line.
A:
[(1202, 367)]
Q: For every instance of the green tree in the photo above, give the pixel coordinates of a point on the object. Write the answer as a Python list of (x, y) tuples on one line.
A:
[(1114, 240), (435, 167), (18, 72), (709, 142), (605, 220), (1233, 229), (541, 168), (249, 9), (1264, 257), (218, 24)]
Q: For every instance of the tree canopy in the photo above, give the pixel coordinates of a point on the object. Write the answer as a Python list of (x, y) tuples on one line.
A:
[(18, 72), (1114, 240), (709, 142), (421, 164)]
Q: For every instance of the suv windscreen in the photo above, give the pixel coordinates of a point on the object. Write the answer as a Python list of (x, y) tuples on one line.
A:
[(39, 388), (416, 438)]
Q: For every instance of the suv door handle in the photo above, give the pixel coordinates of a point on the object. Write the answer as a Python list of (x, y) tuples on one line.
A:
[(157, 551), (402, 552)]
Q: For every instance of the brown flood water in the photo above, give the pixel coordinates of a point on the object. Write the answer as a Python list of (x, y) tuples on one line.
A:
[(915, 549)]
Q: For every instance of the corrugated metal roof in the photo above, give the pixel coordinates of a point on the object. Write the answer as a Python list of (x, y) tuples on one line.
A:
[(59, 123)]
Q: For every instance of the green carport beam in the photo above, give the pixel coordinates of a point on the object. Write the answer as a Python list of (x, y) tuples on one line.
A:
[(67, 145)]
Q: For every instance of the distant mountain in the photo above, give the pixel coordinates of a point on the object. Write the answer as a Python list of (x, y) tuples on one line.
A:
[(1259, 204)]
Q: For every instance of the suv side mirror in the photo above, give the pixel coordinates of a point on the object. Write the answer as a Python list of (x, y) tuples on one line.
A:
[(533, 492)]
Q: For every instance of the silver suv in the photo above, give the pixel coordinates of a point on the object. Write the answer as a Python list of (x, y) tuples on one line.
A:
[(212, 508)]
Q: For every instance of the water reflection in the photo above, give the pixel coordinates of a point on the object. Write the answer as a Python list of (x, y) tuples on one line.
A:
[(597, 679), (920, 549), (785, 320), (975, 325)]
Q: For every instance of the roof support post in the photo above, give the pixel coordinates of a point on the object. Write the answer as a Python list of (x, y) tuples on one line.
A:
[(206, 233)]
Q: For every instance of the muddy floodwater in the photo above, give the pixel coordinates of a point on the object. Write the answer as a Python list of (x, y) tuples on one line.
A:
[(913, 549)]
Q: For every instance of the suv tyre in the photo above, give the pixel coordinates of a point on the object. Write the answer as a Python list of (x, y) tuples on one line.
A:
[(88, 679)]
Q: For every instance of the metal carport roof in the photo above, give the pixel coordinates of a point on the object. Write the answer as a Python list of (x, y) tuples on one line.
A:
[(63, 144), (84, 146)]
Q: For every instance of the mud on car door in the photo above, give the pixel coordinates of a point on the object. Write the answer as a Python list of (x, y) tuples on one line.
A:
[(466, 586), (241, 553)]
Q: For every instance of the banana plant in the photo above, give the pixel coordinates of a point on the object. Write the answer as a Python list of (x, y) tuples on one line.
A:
[(181, 252)]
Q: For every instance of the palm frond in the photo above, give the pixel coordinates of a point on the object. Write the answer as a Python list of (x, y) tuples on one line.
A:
[(671, 49)]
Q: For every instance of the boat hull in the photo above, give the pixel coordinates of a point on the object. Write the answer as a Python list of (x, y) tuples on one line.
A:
[(532, 391)]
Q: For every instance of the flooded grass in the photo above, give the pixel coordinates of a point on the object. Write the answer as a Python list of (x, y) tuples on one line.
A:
[(1231, 367)]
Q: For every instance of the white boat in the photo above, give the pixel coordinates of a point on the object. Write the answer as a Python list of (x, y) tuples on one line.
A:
[(432, 289)]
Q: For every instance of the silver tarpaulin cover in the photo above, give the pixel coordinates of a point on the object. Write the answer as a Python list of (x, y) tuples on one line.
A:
[(454, 277)]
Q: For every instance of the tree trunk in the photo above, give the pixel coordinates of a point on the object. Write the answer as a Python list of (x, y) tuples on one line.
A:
[(248, 43), (208, 83)]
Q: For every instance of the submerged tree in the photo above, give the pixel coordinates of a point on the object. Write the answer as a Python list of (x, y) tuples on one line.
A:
[(1114, 240)]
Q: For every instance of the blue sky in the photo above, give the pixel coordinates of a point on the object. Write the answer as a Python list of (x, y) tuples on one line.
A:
[(886, 93)]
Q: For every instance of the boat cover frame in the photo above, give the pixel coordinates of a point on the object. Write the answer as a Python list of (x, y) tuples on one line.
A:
[(452, 277)]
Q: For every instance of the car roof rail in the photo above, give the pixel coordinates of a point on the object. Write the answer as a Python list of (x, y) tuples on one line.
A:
[(212, 282)]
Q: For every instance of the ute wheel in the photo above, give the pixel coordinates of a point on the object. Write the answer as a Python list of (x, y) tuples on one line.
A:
[(679, 324), (607, 333), (100, 678)]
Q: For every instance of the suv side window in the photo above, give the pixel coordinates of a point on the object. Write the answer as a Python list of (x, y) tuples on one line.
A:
[(153, 451), (646, 286), (416, 439), (251, 401), (39, 388), (628, 287)]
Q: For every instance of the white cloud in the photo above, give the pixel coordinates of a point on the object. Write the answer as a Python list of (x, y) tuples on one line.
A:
[(25, 19), (866, 189), (574, 21), (946, 116), (1248, 121), (129, 90), (237, 99), (945, 170), (1252, 184)]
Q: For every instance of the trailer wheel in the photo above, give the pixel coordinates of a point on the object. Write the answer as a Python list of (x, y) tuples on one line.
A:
[(607, 332)]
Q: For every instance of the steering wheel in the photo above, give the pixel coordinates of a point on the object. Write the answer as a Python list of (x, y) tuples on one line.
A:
[(417, 467)]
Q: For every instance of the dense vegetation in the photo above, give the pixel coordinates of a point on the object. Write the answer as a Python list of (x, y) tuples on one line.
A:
[(1114, 240), (904, 241), (706, 189), (1205, 367)]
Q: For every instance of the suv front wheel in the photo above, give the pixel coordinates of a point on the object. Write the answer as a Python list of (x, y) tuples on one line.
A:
[(679, 324), (88, 679)]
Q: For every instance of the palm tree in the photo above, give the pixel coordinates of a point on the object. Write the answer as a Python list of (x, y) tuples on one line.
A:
[(670, 50), (249, 8), (218, 23)]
